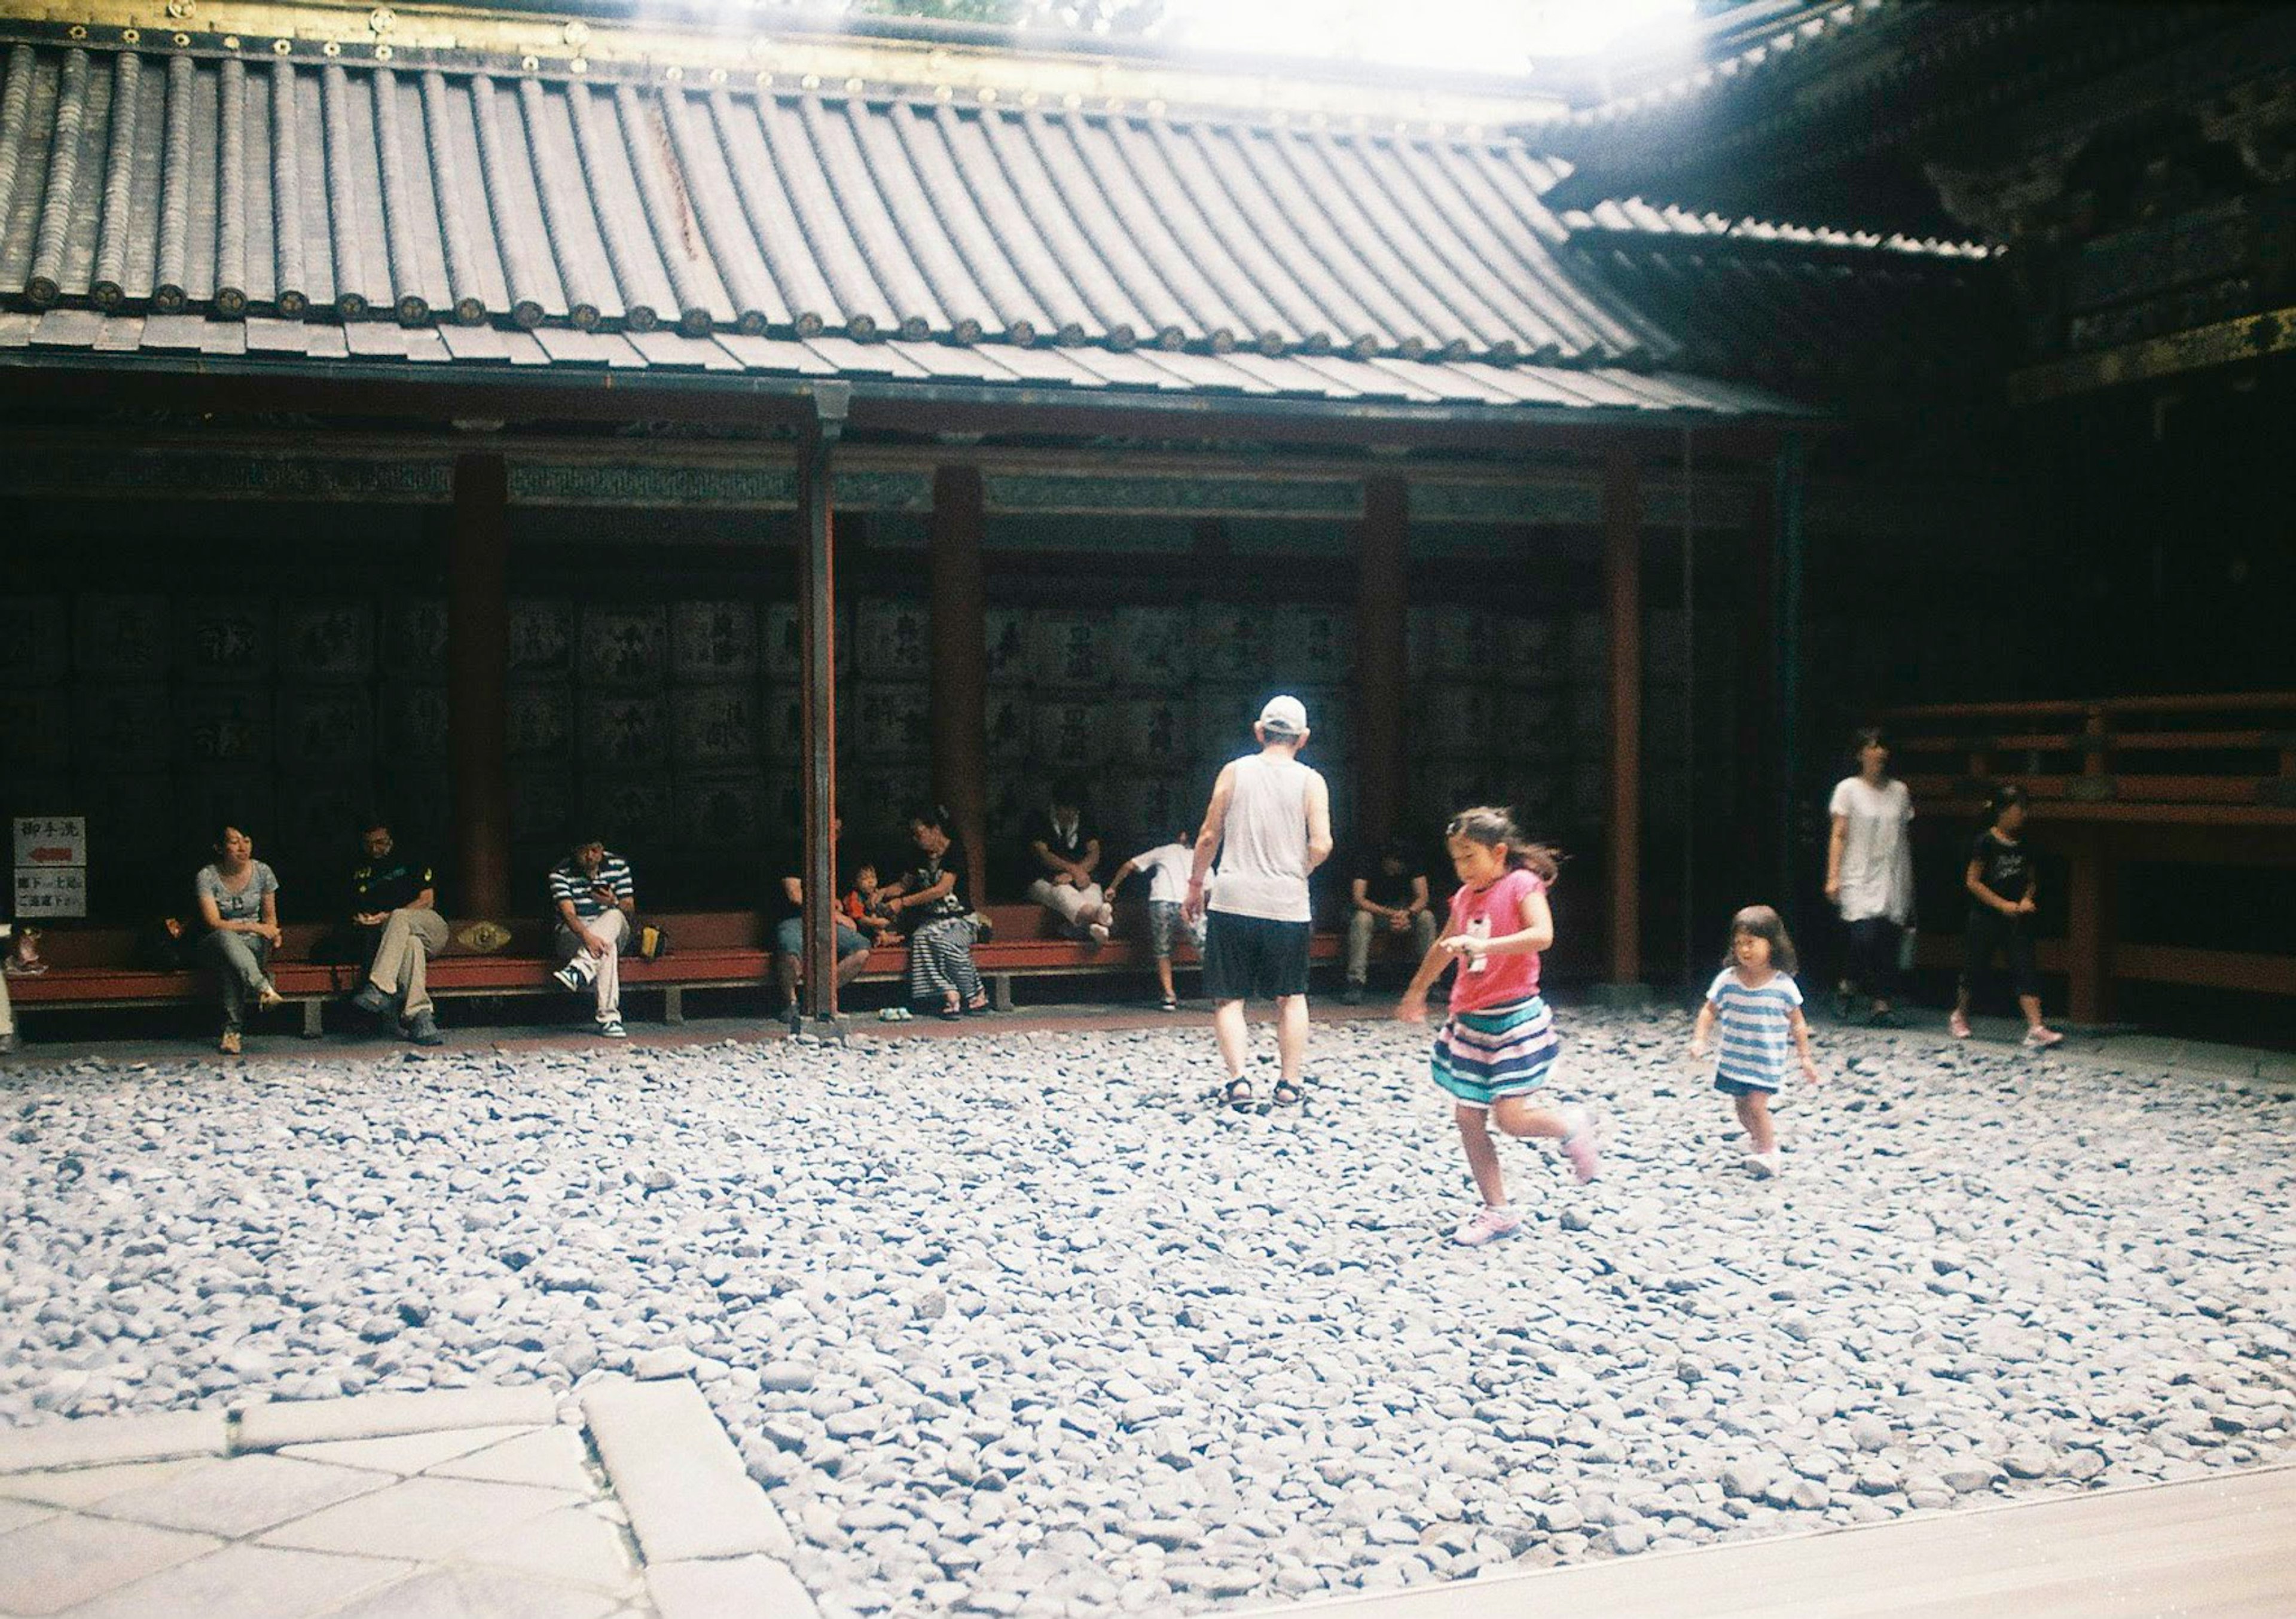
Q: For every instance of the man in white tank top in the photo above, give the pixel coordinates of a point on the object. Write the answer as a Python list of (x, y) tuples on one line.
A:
[(1270, 824)]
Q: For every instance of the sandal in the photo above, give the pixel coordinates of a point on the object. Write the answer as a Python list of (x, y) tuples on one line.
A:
[(953, 1012), (1288, 1095), (978, 1008), (1239, 1095)]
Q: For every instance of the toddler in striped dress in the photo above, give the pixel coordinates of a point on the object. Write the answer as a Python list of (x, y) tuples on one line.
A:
[(1496, 1046), (1756, 1006)]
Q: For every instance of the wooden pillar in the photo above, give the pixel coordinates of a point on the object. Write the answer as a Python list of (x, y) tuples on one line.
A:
[(477, 670), (1756, 739), (960, 664), (817, 602), (1382, 600), (1622, 517), (1786, 684), (2088, 925)]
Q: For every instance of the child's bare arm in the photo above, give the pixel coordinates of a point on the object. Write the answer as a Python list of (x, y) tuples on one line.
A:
[(1413, 1007), (1703, 1033), (1801, 1027)]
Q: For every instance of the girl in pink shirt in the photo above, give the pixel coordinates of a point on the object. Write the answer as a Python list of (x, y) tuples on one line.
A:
[(1499, 1042)]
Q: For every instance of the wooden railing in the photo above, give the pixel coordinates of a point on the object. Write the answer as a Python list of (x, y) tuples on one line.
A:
[(2197, 779), (2215, 761)]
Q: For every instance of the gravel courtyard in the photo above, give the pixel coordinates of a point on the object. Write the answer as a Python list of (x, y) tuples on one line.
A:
[(1023, 1322)]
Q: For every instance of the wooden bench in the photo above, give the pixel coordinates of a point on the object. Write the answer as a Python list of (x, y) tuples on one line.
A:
[(92, 969)]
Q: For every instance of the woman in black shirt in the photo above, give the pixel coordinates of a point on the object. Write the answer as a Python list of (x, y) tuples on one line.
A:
[(932, 902)]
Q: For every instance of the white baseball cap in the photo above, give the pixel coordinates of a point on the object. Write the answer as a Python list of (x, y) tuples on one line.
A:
[(1287, 714)]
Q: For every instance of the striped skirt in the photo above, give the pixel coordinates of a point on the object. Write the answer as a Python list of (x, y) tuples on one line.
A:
[(940, 960), (1500, 1051)]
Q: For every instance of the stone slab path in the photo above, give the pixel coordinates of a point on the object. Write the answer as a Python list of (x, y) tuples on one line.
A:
[(2210, 1547), (481, 1503)]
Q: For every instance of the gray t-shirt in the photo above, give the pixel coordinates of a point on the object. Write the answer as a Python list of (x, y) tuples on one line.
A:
[(247, 904)]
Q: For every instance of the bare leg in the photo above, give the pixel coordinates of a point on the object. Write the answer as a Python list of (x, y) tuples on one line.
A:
[(1482, 1154), (852, 967), (2031, 1005), (1520, 1118), (1290, 1036), (1229, 1028), (785, 975), (1164, 977), (1754, 1114)]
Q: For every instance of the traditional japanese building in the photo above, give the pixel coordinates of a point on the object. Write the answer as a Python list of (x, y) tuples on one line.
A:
[(468, 410)]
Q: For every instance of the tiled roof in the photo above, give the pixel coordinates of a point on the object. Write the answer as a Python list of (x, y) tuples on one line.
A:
[(1634, 216), (1806, 312), (279, 204), (1087, 374), (1800, 36)]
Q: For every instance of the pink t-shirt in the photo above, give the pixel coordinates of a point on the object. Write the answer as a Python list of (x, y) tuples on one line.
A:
[(1494, 913)]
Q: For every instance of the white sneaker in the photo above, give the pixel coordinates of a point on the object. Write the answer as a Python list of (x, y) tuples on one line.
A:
[(1099, 931), (1766, 1165), (2042, 1039), (612, 1029), (568, 976), (1487, 1224)]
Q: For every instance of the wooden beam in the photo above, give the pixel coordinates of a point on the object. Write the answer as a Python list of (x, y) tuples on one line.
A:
[(478, 672), (1382, 598), (1622, 582), (959, 697)]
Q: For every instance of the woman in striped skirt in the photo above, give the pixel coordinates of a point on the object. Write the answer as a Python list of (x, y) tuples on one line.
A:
[(1493, 1051), (933, 901)]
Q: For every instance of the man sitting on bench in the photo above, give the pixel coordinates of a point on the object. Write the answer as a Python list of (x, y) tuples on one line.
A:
[(593, 894), (396, 928)]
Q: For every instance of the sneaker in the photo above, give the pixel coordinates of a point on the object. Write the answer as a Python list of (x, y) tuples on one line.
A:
[(1766, 1165), (268, 997), (1099, 932), (422, 1029), (1353, 995), (1578, 1146), (1958, 1025), (1488, 1224), (370, 1000), (569, 978), (612, 1029), (229, 1045), (2039, 1039), (1170, 1003)]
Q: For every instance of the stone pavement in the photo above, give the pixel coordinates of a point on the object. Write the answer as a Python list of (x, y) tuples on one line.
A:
[(464, 1504), (2208, 1547)]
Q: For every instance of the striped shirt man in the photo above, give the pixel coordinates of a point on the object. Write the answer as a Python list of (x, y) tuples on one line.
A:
[(570, 884), (1755, 1028)]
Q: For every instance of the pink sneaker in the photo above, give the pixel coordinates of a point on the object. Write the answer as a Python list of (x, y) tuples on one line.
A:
[(1488, 1225), (2039, 1039), (1578, 1146)]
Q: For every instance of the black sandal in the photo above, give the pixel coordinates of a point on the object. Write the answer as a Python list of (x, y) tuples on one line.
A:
[(1288, 1095), (1239, 1094)]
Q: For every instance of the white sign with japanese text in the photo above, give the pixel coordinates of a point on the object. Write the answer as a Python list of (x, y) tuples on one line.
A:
[(51, 840), (51, 891)]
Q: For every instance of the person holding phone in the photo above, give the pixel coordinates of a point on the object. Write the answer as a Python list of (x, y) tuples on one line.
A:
[(594, 895)]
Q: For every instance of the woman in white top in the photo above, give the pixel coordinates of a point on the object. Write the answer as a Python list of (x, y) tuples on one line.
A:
[(1869, 872)]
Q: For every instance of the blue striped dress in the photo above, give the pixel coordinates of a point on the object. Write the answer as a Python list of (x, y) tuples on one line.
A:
[(1755, 1029), (1499, 1050)]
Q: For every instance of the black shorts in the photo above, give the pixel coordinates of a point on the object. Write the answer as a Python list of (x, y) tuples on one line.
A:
[(1250, 957)]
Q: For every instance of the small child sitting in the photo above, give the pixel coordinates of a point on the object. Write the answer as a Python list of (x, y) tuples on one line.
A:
[(865, 911)]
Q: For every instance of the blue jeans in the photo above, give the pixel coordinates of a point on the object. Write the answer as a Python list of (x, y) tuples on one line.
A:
[(243, 964)]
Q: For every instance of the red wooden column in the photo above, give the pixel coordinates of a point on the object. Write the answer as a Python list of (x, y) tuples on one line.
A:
[(818, 436), (1623, 518), (477, 670), (1382, 598), (959, 699)]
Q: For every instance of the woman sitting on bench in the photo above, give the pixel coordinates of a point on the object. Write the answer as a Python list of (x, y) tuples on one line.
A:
[(934, 902), (239, 900)]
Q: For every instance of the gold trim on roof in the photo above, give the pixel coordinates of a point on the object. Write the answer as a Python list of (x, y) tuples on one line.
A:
[(1050, 80)]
